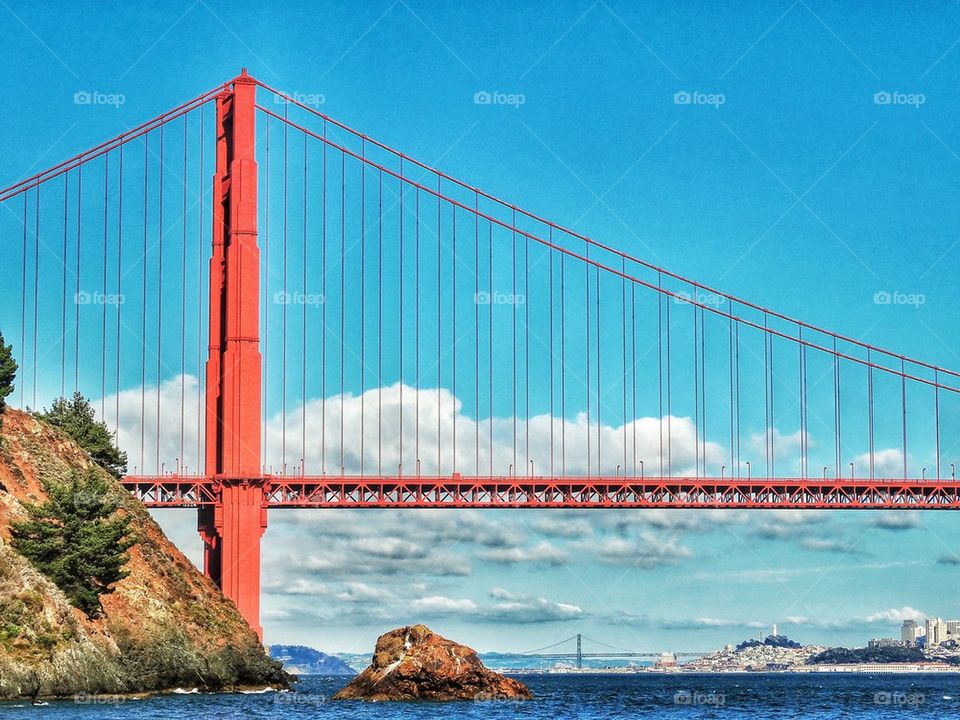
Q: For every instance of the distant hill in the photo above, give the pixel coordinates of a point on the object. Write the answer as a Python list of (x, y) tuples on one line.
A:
[(302, 660)]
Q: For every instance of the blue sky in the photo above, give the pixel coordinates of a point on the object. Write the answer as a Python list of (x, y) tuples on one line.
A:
[(798, 190)]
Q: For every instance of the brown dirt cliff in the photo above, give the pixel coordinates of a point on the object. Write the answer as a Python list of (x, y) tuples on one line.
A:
[(165, 625)]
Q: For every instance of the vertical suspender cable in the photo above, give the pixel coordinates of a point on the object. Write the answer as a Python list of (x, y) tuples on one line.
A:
[(660, 365), (563, 367), (669, 393), (439, 333), (476, 329), (201, 179), (103, 311), (903, 401), (730, 358), (836, 407), (400, 277), (552, 323), (63, 308), (116, 427), (323, 311), (159, 289), (363, 301), (76, 298), (599, 364), (936, 403), (490, 338), (265, 390), (380, 323), (304, 344), (36, 288), (417, 324), (23, 293), (143, 306), (870, 415), (526, 351), (513, 342), (183, 295), (283, 308), (343, 291), (633, 365), (696, 394), (623, 342), (586, 307), (453, 336), (703, 391)]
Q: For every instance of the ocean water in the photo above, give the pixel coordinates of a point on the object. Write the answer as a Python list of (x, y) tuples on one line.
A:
[(567, 696)]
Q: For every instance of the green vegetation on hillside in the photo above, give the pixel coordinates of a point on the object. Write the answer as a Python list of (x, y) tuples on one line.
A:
[(77, 538), (8, 372), (76, 418)]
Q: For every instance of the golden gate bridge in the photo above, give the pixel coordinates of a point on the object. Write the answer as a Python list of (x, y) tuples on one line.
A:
[(333, 323)]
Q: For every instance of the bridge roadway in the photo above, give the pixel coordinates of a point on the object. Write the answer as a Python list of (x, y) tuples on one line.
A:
[(461, 491)]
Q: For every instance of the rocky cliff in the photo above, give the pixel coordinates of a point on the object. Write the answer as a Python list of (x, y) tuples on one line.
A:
[(415, 663), (164, 626)]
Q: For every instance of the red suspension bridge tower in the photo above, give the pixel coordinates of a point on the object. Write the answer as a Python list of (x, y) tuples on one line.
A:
[(231, 530)]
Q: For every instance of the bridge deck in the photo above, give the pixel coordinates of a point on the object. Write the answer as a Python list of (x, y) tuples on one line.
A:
[(460, 491)]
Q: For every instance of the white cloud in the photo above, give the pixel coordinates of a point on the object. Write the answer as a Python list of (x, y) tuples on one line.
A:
[(314, 431), (887, 463)]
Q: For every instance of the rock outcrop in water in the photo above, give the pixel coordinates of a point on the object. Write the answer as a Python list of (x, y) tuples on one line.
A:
[(414, 663), (165, 625)]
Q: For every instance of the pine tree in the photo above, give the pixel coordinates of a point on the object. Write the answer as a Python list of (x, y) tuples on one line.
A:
[(8, 372), (77, 539), (76, 418)]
